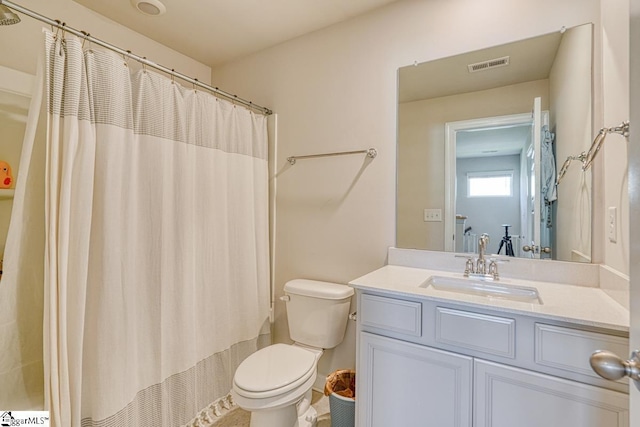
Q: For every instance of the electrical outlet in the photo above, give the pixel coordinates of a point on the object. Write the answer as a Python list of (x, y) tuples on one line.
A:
[(612, 224), (433, 215)]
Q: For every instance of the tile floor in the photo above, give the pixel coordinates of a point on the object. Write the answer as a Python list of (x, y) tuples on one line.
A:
[(238, 417)]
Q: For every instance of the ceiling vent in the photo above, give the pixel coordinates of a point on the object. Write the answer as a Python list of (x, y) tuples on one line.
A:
[(487, 65)]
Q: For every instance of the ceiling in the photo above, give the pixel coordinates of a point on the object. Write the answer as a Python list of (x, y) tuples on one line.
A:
[(529, 60), (217, 31), (497, 141)]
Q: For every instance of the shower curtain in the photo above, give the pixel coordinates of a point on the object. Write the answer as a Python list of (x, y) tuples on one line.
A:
[(157, 264)]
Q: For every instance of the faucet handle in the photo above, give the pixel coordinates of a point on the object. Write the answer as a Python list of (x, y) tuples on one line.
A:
[(468, 267), (493, 269), (481, 266)]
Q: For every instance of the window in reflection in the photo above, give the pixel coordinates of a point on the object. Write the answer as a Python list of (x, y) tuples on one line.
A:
[(490, 184)]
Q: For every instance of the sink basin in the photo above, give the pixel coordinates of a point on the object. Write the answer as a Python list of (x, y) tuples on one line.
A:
[(483, 288)]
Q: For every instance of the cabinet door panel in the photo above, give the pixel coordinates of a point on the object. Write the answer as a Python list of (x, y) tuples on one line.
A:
[(404, 384), (508, 397)]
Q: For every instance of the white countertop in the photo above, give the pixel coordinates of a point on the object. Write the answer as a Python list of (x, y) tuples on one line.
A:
[(588, 306)]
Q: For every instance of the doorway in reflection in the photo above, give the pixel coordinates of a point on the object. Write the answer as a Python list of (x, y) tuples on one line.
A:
[(495, 171)]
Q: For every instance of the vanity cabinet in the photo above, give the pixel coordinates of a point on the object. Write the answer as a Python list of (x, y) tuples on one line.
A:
[(423, 362), (404, 384), (506, 397)]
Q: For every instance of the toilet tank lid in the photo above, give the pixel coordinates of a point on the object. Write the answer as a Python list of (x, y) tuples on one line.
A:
[(317, 289)]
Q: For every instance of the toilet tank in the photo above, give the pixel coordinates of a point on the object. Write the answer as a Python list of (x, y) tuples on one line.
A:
[(317, 312)]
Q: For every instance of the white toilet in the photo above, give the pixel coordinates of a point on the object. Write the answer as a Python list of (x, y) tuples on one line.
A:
[(274, 383)]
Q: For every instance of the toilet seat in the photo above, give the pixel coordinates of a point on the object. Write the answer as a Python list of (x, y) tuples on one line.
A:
[(274, 370)]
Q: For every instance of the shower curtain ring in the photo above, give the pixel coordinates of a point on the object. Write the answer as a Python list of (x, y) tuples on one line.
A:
[(125, 57), (58, 23), (173, 76), (144, 66), (195, 85), (84, 39), (62, 39)]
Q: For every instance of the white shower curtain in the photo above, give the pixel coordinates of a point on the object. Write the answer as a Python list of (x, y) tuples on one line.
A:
[(156, 277)]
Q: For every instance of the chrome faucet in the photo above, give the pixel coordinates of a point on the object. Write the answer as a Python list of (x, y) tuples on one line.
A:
[(481, 265), (479, 268)]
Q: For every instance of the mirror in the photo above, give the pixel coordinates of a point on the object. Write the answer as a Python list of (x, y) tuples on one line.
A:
[(480, 136), (15, 96)]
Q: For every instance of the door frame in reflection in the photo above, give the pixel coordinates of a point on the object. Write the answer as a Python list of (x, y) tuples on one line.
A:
[(451, 130)]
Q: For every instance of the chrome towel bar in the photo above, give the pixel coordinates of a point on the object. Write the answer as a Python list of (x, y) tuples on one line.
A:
[(371, 152)]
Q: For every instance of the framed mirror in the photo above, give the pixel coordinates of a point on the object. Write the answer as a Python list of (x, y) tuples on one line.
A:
[(480, 137)]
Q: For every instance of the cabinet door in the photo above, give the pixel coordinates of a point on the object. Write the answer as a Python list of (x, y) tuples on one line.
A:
[(508, 397), (404, 384)]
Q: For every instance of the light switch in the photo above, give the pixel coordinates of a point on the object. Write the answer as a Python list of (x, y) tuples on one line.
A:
[(433, 215), (612, 224)]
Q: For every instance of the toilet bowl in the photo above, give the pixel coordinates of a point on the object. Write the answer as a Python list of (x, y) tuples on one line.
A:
[(274, 383)]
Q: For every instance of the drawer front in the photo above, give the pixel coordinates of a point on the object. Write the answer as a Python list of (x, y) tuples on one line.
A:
[(569, 349), (391, 314), (478, 332)]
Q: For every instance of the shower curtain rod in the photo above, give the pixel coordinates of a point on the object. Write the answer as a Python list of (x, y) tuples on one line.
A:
[(143, 60)]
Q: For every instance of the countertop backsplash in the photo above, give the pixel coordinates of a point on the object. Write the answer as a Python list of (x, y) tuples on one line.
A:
[(573, 273)]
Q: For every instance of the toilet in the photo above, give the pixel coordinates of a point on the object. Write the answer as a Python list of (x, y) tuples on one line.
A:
[(274, 383)]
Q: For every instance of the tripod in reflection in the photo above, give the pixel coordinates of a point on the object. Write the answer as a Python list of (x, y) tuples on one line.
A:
[(506, 242)]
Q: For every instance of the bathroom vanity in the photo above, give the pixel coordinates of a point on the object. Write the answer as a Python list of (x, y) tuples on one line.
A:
[(434, 351)]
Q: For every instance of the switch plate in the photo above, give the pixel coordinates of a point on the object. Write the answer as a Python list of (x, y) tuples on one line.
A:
[(433, 215), (612, 224)]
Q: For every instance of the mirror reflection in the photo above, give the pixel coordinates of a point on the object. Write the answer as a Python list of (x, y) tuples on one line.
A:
[(479, 139)]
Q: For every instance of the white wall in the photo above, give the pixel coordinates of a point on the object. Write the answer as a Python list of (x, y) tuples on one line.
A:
[(570, 88), (487, 214), (615, 89), (335, 89), (12, 122)]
